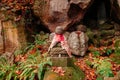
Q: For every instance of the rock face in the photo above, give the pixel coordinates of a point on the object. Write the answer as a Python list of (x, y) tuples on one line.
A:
[(65, 13), (60, 12), (117, 30), (105, 34), (115, 10), (12, 37)]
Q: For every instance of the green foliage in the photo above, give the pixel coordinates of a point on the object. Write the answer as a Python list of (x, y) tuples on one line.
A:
[(30, 66), (117, 47), (116, 56), (101, 51), (103, 67), (35, 64), (99, 78), (89, 63), (18, 52), (108, 51), (7, 71), (40, 39), (96, 53)]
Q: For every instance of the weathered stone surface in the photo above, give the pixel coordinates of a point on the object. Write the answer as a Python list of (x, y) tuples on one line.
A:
[(107, 34), (61, 61), (70, 74), (117, 27), (78, 43), (106, 27), (60, 12), (58, 50), (10, 36), (68, 12), (115, 10), (14, 37), (117, 33)]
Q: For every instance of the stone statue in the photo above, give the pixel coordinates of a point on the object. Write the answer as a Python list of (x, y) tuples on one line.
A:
[(59, 37), (78, 41)]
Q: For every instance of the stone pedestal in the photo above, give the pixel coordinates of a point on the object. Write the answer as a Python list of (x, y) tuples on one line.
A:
[(72, 72), (62, 61)]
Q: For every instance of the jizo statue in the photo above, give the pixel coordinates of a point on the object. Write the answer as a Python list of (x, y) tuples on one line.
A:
[(59, 37), (78, 41)]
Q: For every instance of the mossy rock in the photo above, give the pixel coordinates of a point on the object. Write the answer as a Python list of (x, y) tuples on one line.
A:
[(117, 37), (105, 33), (106, 27), (106, 43), (90, 33), (117, 27), (62, 61), (117, 33), (70, 74), (94, 37)]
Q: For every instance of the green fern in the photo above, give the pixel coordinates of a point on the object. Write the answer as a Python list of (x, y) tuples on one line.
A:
[(103, 67), (32, 64), (117, 47), (7, 71), (96, 53)]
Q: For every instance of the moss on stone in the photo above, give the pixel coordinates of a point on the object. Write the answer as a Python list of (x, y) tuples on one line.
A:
[(70, 74), (105, 33), (106, 26)]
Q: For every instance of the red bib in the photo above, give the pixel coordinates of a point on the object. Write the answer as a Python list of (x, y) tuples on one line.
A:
[(59, 37)]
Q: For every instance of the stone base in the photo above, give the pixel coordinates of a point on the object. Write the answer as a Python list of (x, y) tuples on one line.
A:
[(70, 74), (62, 61)]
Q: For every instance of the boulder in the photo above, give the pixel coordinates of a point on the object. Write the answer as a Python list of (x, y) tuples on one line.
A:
[(63, 13)]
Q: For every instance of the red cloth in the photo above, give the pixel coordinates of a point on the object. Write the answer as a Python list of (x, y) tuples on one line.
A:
[(59, 37)]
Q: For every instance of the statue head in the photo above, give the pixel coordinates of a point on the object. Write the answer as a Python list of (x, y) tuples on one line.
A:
[(59, 30), (81, 28)]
